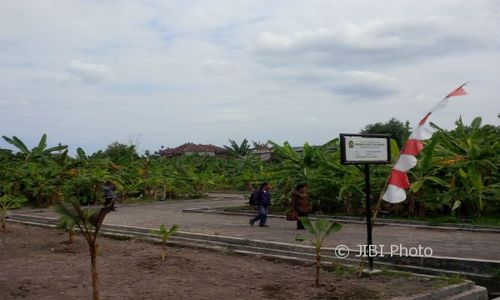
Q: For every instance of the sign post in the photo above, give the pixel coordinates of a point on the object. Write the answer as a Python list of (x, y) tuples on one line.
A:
[(365, 149)]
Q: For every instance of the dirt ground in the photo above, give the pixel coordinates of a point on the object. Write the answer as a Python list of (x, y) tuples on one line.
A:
[(35, 263)]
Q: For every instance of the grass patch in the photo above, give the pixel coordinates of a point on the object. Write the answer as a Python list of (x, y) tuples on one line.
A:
[(496, 274), (456, 279), (138, 200), (119, 237), (227, 250), (342, 271), (451, 280), (493, 220), (393, 273)]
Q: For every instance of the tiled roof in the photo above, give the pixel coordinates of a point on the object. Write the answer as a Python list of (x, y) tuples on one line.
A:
[(190, 148)]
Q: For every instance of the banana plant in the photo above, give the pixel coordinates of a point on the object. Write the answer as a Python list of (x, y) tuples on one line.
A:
[(85, 175), (320, 229), (153, 178), (165, 235), (293, 167), (10, 175), (41, 180), (39, 170), (294, 164), (39, 151), (471, 164), (68, 225), (426, 178), (7, 203), (345, 182), (88, 222), (240, 150), (319, 167)]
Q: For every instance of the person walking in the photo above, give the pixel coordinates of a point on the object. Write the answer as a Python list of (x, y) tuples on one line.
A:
[(262, 205), (109, 190), (300, 203)]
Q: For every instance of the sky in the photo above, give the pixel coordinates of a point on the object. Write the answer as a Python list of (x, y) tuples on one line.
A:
[(162, 73)]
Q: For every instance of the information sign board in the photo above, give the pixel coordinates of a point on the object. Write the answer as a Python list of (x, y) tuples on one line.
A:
[(365, 149)]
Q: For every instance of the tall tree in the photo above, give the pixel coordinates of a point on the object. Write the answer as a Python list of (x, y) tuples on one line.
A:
[(398, 130), (118, 153)]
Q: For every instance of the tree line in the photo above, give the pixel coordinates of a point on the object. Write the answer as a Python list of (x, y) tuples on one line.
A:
[(457, 173)]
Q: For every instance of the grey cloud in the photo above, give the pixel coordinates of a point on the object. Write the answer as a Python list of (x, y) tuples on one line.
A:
[(379, 43), (356, 84), (208, 71), (364, 85), (363, 91)]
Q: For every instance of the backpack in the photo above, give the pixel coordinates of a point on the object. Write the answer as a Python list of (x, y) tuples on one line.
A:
[(254, 197)]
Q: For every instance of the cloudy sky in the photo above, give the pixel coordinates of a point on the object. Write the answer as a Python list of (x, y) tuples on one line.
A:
[(154, 73)]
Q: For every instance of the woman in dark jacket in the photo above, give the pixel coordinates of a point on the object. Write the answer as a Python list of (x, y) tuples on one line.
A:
[(300, 203)]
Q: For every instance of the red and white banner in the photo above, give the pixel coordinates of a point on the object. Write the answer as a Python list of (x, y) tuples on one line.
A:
[(398, 180)]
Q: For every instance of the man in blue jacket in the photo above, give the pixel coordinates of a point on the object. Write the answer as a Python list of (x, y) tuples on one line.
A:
[(262, 203)]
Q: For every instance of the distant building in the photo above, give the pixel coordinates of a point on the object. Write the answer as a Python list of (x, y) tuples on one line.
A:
[(263, 153), (190, 148)]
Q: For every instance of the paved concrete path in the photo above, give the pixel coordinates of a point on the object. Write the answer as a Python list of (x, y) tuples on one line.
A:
[(464, 244)]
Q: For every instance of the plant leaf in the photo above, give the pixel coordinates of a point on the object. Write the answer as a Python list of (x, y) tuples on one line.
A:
[(456, 205)]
